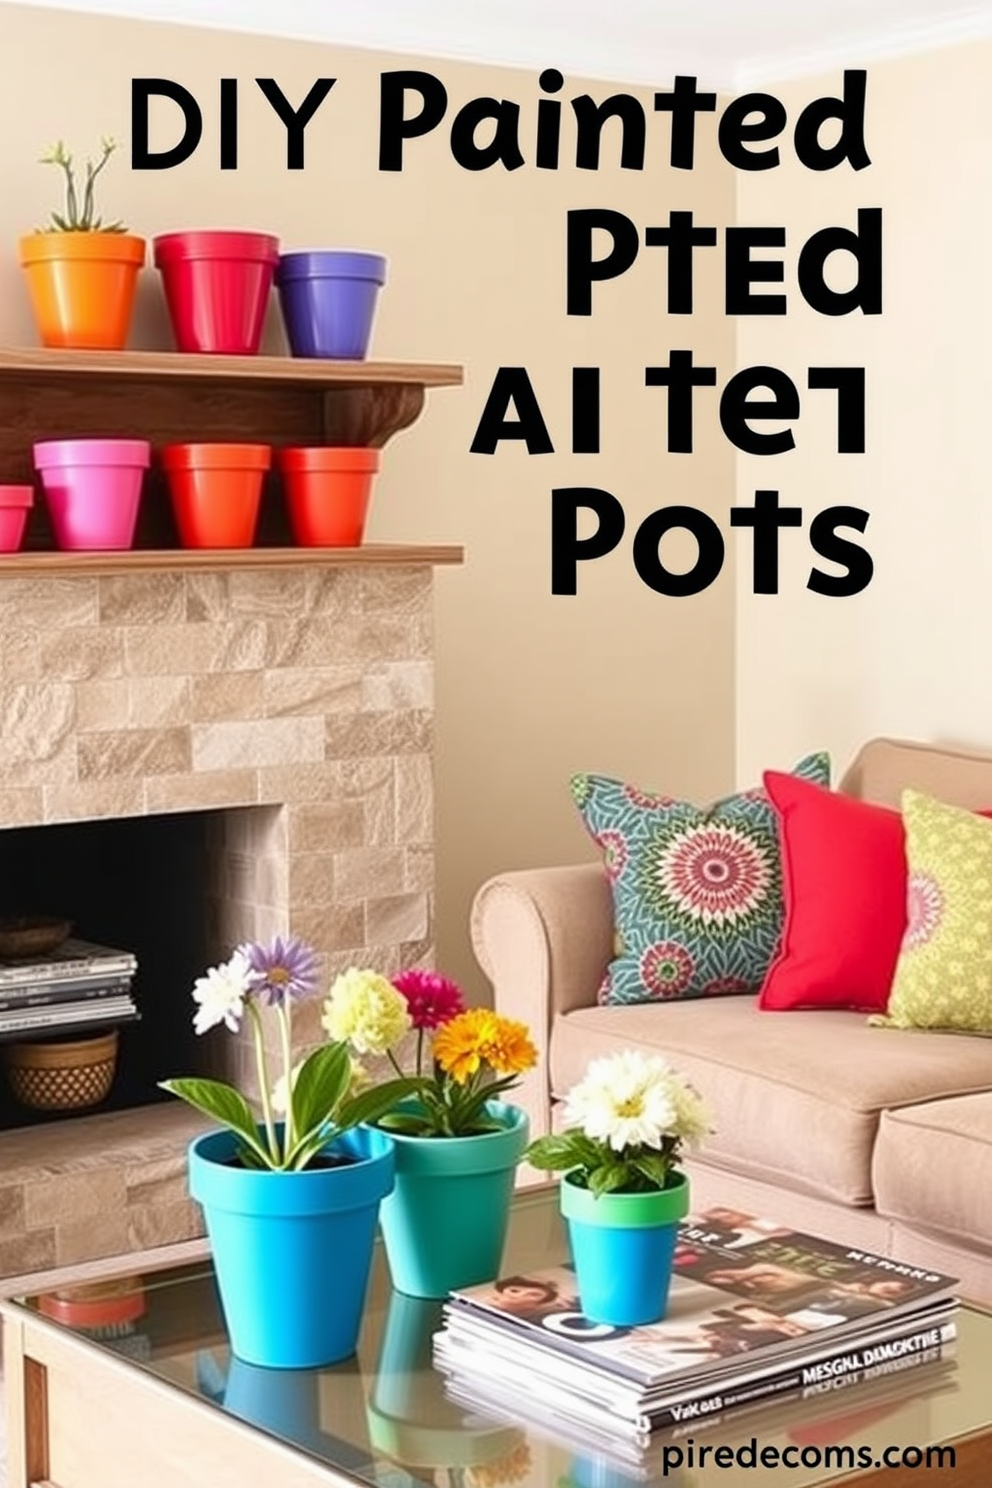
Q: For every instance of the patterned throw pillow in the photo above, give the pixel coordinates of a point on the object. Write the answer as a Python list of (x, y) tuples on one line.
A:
[(697, 891), (943, 976)]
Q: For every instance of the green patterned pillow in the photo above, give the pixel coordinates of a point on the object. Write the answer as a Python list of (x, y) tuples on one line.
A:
[(943, 977), (697, 891)]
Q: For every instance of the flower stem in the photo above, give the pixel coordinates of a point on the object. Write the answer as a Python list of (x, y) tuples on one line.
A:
[(263, 1080), (285, 1029), (392, 1059)]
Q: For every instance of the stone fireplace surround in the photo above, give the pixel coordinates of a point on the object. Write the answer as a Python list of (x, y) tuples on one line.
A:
[(304, 689)]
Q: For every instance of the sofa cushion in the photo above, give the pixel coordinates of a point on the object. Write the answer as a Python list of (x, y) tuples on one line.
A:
[(844, 885), (796, 1100), (943, 978), (933, 1168), (697, 892)]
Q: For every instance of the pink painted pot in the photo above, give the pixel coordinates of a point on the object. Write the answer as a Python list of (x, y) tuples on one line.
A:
[(14, 504), (93, 488)]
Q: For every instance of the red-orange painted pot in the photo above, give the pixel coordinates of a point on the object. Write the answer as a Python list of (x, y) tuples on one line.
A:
[(327, 493), (216, 489)]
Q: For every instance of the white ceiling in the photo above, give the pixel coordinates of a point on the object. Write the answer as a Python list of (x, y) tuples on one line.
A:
[(728, 44)]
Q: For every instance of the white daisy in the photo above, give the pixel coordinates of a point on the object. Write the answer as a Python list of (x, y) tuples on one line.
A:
[(626, 1100), (221, 994)]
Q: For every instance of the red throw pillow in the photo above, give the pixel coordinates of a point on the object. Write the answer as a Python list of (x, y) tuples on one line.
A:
[(844, 886)]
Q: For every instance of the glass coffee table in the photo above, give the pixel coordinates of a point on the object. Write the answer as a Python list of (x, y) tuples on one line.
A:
[(130, 1380)]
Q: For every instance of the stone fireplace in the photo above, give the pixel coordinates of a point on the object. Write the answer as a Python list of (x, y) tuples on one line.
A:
[(291, 703)]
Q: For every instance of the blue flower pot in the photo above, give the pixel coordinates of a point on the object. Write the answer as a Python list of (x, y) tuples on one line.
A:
[(622, 1248), (445, 1222), (328, 301), (292, 1251)]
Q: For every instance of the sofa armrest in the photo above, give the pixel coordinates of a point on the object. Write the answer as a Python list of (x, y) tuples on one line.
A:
[(544, 938)]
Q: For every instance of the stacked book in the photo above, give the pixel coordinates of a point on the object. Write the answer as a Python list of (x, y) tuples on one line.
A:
[(757, 1311), (77, 985)]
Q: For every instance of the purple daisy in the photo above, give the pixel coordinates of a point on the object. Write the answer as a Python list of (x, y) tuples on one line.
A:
[(284, 969)]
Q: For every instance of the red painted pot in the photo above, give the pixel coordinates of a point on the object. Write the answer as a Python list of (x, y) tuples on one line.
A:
[(327, 493), (216, 489), (14, 504), (217, 287)]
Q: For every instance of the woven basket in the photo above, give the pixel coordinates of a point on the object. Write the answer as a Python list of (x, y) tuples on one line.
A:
[(63, 1076)]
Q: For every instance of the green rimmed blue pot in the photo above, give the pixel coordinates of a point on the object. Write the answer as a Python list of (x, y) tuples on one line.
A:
[(622, 1247), (444, 1224), (292, 1251)]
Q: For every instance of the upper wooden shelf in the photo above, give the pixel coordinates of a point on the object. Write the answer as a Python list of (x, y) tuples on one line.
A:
[(274, 370), (189, 560), (170, 397)]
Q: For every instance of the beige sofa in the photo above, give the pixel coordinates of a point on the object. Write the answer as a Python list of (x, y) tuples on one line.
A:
[(874, 1137)]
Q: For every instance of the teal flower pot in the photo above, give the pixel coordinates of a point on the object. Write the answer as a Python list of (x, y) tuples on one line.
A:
[(292, 1251), (622, 1247), (444, 1224)]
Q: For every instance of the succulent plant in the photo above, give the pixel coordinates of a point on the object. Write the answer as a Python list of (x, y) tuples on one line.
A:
[(80, 207)]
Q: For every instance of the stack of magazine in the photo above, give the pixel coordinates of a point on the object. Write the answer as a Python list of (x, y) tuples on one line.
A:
[(756, 1311), (77, 985)]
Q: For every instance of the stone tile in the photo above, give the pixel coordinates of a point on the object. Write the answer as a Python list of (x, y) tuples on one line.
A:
[(97, 798), (399, 685), (22, 808), (180, 650), (331, 928), (91, 651), (12, 1220), (160, 1180), (351, 640), (400, 917), (326, 827), (293, 691), (333, 591), (231, 695), (19, 656), (102, 705), (145, 599), (414, 799), (65, 1197), (134, 752), (201, 792), (418, 870), (158, 702), (265, 742), (311, 878), (357, 735), (32, 1251), (49, 602), (298, 783), (163, 1224), (368, 873), (395, 588), (208, 596), (272, 882), (36, 726), (91, 1239), (289, 592)]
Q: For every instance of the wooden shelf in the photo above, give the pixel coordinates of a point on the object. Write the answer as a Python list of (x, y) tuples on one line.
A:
[(162, 560), (173, 397)]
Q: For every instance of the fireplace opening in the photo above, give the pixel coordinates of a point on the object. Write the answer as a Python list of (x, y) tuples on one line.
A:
[(159, 886)]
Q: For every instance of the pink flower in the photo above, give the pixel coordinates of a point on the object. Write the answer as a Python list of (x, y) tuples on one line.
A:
[(431, 999)]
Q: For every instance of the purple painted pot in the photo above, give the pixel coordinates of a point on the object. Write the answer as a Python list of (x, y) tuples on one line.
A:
[(328, 301)]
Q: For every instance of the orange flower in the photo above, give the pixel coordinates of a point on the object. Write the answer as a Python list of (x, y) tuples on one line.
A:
[(480, 1036)]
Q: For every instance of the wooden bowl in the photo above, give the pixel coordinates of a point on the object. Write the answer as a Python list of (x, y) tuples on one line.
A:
[(31, 935), (62, 1076)]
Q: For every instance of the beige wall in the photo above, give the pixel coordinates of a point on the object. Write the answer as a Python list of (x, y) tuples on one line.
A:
[(909, 656), (529, 687)]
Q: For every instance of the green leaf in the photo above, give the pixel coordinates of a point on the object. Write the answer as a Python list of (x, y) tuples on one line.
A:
[(610, 1177), (653, 1166), (371, 1105), (555, 1154), (224, 1104), (320, 1086)]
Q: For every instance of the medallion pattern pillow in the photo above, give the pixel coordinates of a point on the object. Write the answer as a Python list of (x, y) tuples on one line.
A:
[(943, 977), (697, 891)]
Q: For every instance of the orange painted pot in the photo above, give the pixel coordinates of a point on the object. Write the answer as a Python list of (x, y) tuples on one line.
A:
[(327, 493), (216, 490), (82, 286)]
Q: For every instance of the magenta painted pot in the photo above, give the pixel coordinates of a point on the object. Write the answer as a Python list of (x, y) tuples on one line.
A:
[(93, 488), (217, 287), (14, 504)]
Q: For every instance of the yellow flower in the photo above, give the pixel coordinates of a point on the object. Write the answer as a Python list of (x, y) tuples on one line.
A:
[(480, 1036), (365, 1010)]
